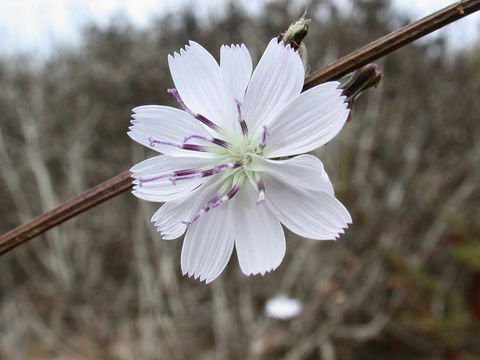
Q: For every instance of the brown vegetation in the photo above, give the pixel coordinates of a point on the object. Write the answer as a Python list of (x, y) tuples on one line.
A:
[(402, 282)]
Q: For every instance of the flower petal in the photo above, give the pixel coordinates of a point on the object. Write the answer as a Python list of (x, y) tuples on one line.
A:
[(165, 124), (208, 244), (169, 218), (308, 122), (305, 171), (198, 80), (277, 79), (236, 69), (163, 189), (311, 214), (259, 237)]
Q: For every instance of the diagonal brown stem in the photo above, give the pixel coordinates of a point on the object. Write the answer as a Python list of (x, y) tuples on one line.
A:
[(393, 41), (343, 66)]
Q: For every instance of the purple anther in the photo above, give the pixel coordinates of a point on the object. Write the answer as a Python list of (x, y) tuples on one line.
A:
[(218, 168), (233, 191), (214, 199), (261, 192), (215, 141), (242, 121), (194, 147), (237, 164), (206, 121), (226, 197), (186, 172), (210, 172), (199, 117), (152, 143), (220, 142), (174, 179), (214, 202), (264, 138)]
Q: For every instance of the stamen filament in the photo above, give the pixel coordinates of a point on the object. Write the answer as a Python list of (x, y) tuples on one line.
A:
[(264, 138), (192, 147), (208, 172), (176, 173), (215, 141), (242, 121), (197, 116), (261, 192), (214, 202)]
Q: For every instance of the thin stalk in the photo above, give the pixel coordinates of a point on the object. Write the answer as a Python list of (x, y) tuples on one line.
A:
[(335, 70)]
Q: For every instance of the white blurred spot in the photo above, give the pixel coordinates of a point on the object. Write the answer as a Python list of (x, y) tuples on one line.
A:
[(283, 307)]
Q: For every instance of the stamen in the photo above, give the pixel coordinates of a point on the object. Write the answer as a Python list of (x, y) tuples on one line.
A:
[(233, 191), (142, 181), (197, 116), (221, 142), (264, 138), (227, 197), (187, 138), (215, 141), (208, 172), (192, 147), (152, 143), (242, 122), (169, 175), (190, 174), (261, 192), (214, 202), (186, 172)]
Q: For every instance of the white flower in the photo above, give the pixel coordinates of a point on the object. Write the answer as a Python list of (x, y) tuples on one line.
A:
[(283, 307), (218, 176)]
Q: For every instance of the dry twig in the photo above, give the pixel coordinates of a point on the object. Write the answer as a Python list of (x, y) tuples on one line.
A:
[(343, 66)]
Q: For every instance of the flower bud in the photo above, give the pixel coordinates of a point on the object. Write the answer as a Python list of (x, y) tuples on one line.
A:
[(296, 32), (361, 80)]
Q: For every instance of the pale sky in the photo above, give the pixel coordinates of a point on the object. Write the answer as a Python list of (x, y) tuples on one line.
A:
[(34, 25)]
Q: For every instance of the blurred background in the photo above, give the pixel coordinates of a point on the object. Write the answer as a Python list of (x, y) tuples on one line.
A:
[(402, 283)]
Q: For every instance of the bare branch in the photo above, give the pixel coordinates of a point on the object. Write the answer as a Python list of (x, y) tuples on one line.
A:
[(343, 66)]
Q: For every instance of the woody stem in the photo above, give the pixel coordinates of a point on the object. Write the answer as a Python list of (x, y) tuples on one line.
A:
[(335, 70)]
